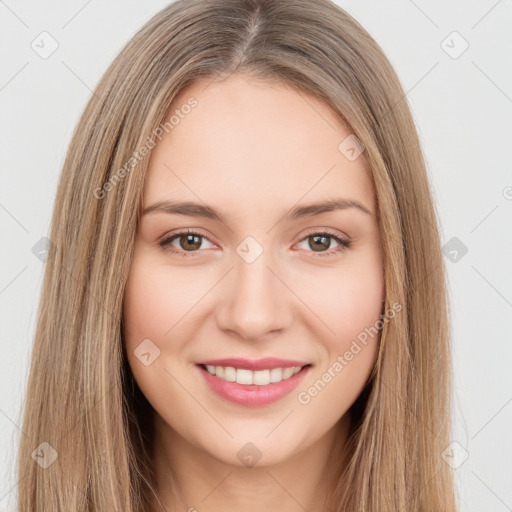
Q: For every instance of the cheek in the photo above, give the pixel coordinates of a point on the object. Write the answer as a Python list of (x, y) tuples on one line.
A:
[(348, 300), (359, 304), (352, 312), (143, 309), (154, 300), (151, 308), (160, 305)]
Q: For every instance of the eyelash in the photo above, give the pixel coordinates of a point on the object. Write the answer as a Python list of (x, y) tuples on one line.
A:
[(343, 242)]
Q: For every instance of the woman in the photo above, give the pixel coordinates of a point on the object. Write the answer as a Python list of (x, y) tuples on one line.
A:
[(196, 347)]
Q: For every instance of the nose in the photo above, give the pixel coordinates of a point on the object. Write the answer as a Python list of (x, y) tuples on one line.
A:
[(255, 300)]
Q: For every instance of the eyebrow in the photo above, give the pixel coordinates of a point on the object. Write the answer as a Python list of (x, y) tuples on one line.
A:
[(192, 209)]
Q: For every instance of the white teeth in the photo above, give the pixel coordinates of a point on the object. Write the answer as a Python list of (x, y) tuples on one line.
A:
[(276, 375), (261, 378), (287, 373), (230, 374), (244, 376), (247, 377)]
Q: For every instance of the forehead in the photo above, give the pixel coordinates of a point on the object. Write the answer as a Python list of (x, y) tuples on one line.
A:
[(262, 143)]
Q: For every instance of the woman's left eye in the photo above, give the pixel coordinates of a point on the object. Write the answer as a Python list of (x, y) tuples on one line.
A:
[(192, 240), (323, 239)]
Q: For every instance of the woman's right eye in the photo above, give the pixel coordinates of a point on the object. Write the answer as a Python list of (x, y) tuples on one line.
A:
[(186, 239)]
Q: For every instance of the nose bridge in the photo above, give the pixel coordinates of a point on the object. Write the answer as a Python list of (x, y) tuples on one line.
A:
[(255, 300)]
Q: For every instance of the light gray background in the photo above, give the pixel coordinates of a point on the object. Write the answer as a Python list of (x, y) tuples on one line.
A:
[(462, 107)]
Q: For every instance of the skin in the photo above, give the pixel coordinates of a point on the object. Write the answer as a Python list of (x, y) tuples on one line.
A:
[(253, 151)]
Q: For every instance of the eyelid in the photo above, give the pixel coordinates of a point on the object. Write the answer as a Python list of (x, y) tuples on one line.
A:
[(344, 242), (168, 237)]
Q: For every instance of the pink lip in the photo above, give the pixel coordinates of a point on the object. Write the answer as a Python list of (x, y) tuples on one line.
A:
[(253, 395), (266, 363)]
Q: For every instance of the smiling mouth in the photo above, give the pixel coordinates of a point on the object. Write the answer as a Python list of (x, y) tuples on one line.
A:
[(249, 377)]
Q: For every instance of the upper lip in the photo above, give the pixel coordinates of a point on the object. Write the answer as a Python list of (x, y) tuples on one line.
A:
[(254, 364)]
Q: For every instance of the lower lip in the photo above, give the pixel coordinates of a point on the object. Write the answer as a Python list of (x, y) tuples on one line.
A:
[(253, 395)]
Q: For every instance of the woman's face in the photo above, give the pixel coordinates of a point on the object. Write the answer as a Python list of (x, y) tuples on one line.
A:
[(257, 286)]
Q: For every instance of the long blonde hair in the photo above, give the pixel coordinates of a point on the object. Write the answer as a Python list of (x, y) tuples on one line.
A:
[(81, 397)]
